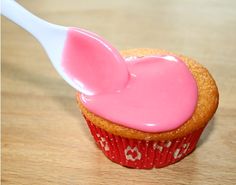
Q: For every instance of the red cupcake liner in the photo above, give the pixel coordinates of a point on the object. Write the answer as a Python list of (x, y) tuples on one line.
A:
[(143, 154)]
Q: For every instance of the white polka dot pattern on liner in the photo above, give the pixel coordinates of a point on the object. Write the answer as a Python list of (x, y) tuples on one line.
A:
[(177, 153), (144, 154), (103, 143), (132, 154), (157, 147), (168, 144)]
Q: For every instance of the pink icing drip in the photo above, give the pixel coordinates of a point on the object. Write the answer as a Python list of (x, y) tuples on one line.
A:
[(160, 95)]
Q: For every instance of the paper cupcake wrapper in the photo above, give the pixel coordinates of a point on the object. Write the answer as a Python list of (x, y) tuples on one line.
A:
[(143, 154)]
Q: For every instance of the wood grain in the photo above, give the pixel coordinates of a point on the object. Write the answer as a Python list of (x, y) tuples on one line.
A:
[(44, 137)]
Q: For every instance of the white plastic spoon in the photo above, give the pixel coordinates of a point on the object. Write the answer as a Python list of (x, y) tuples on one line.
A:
[(83, 59)]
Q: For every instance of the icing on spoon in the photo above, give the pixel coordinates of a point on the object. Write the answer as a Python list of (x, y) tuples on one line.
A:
[(74, 52)]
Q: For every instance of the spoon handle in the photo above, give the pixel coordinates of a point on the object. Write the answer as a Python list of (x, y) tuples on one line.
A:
[(33, 24), (48, 34), (16, 13)]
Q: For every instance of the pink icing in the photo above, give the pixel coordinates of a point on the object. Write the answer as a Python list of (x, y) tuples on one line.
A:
[(93, 63), (160, 93)]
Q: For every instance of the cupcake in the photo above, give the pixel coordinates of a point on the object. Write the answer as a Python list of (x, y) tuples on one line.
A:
[(147, 127)]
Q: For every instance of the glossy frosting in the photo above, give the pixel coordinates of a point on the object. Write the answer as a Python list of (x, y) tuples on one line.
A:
[(160, 96), (92, 63), (160, 93)]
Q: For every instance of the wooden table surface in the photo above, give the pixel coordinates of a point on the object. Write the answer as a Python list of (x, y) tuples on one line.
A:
[(44, 137)]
